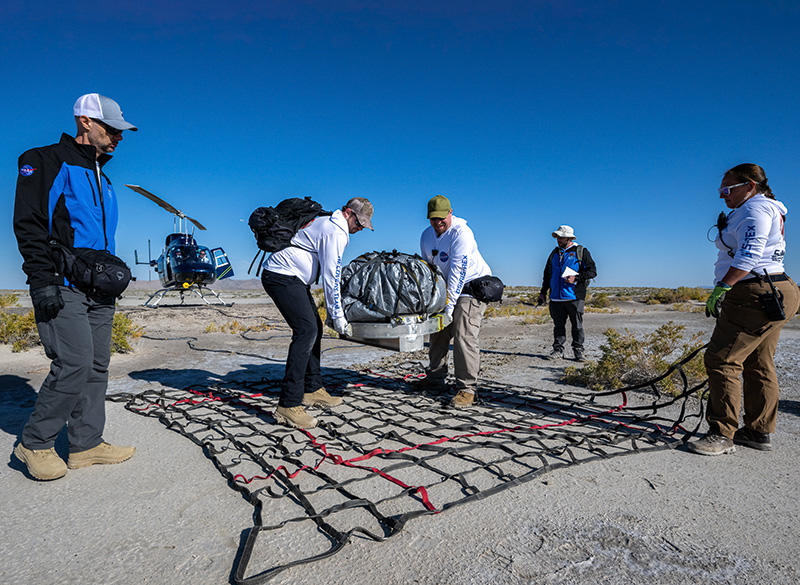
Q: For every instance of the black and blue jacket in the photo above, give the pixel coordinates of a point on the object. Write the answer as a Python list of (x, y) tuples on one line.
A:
[(62, 196), (561, 290)]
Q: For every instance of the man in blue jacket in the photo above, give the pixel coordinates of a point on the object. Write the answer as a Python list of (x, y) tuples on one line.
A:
[(567, 273), (63, 195)]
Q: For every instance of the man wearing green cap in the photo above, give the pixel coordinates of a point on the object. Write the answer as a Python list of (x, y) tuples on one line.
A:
[(450, 245)]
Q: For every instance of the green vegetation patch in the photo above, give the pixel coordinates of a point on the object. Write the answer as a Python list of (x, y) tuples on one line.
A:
[(682, 294), (19, 331), (627, 360), (122, 330)]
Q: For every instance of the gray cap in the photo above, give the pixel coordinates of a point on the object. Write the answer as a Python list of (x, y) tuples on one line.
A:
[(100, 107), (363, 210)]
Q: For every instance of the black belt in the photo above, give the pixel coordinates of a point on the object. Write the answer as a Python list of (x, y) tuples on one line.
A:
[(772, 277)]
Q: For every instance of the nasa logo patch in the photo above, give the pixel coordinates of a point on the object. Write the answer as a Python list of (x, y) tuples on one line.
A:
[(26, 170), (443, 256)]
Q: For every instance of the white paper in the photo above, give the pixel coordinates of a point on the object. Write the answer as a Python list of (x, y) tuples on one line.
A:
[(568, 272)]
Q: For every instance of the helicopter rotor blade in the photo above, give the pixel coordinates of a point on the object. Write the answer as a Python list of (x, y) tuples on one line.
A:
[(195, 222), (156, 199)]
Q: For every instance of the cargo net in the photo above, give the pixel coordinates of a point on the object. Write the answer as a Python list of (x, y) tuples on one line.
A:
[(391, 453)]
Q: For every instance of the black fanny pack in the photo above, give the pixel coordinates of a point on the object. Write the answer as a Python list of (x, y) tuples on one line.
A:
[(487, 289), (98, 273)]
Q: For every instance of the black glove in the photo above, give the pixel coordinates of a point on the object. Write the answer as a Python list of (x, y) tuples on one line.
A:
[(541, 299), (47, 302)]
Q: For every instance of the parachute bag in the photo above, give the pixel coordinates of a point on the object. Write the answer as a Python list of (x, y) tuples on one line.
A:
[(380, 286), (274, 227)]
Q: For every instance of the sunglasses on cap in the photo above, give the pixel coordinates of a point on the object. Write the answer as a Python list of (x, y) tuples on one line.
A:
[(727, 190), (110, 130)]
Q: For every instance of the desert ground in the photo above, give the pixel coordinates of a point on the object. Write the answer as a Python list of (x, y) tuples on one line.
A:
[(169, 516)]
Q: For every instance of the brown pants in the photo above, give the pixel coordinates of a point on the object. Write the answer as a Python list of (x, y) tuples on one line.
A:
[(743, 344), (464, 331)]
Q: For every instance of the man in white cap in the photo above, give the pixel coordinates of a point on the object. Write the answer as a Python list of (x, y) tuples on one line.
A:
[(316, 250), (63, 195), (449, 244), (567, 273)]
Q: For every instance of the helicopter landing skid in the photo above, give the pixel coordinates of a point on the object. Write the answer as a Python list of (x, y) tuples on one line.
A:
[(196, 289)]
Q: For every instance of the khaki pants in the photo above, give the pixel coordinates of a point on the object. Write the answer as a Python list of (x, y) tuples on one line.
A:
[(743, 344), (464, 331)]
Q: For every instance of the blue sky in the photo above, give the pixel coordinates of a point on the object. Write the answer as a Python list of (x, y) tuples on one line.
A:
[(618, 119)]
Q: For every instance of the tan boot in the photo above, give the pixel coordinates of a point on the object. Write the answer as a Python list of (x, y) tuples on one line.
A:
[(463, 399), (102, 454), (295, 416), (321, 398), (44, 464)]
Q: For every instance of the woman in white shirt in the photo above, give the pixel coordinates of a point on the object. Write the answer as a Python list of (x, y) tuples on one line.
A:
[(749, 316)]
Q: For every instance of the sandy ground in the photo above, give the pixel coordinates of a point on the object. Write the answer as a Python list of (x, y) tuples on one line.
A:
[(168, 516)]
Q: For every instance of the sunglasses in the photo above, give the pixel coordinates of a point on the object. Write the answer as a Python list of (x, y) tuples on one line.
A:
[(727, 190), (111, 131)]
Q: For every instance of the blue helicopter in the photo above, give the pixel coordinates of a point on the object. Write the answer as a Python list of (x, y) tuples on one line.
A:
[(184, 265)]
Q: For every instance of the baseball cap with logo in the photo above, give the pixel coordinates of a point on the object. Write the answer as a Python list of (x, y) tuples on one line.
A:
[(363, 210), (100, 107), (439, 207)]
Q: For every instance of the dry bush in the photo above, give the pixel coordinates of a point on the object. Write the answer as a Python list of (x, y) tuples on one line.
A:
[(598, 300), (235, 327), (531, 313), (8, 300), (667, 296), (122, 330), (627, 360), (688, 308), (18, 330)]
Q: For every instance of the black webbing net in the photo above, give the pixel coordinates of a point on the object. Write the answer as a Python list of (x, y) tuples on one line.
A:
[(391, 453)]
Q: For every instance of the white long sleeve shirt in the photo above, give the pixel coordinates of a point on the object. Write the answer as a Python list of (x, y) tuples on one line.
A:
[(318, 246), (755, 235), (456, 254)]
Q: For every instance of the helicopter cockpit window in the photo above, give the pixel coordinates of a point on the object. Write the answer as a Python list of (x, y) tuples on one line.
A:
[(192, 254)]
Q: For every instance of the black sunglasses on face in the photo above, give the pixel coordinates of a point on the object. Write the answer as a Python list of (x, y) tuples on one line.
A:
[(110, 130)]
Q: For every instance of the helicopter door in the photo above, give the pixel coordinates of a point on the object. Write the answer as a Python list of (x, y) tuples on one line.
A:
[(222, 266)]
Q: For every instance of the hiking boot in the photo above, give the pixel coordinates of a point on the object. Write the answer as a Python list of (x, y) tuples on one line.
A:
[(103, 454), (321, 398), (556, 354), (295, 416), (752, 439), (579, 356), (463, 399), (712, 444), (44, 464)]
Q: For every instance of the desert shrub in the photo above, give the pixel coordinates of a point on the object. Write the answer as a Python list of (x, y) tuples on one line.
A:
[(666, 296), (122, 330), (8, 300), (531, 313), (688, 307), (627, 360), (235, 327), (599, 300), (596, 310), (18, 330)]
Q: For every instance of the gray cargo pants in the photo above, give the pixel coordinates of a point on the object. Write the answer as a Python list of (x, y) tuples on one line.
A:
[(464, 331), (78, 341)]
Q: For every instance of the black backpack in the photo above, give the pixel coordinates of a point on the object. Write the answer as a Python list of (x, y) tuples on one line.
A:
[(274, 227)]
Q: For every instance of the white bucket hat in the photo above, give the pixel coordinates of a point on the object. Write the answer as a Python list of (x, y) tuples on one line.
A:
[(564, 231), (100, 107)]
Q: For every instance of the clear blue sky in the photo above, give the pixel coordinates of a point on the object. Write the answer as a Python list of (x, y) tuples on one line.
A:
[(617, 118)]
